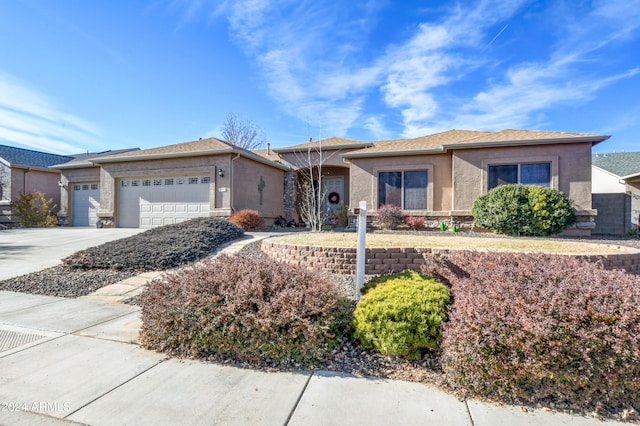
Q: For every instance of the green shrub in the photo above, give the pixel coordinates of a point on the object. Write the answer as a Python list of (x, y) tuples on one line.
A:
[(247, 219), (33, 210), (524, 210), (400, 314), (159, 248), (389, 216), (248, 310), (542, 329)]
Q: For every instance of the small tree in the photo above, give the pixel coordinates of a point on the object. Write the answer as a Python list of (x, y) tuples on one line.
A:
[(311, 189), (33, 210), (242, 133)]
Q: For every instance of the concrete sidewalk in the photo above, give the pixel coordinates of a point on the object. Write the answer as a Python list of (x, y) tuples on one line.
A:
[(75, 361), (71, 360)]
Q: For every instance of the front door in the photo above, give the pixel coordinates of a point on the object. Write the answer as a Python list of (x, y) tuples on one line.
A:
[(334, 198)]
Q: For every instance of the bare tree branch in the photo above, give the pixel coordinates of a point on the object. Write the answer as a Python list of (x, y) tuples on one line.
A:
[(242, 133)]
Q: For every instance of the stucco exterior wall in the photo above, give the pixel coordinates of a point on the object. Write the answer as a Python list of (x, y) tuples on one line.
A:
[(603, 182), (570, 169), (257, 186), (364, 178), (68, 177), (31, 179), (329, 157)]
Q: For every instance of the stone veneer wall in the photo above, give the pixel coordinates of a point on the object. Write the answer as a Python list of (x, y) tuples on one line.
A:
[(342, 260)]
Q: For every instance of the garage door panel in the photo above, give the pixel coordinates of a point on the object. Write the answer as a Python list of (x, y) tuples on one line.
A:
[(85, 204), (161, 201)]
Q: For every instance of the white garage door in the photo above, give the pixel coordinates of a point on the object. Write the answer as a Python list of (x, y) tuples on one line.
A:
[(145, 203), (85, 204)]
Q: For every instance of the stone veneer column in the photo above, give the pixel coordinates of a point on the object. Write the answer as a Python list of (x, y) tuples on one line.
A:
[(290, 191)]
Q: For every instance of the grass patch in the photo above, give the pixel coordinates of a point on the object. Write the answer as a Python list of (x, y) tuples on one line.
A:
[(374, 240)]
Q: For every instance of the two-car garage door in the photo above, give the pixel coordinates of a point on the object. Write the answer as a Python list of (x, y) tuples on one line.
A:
[(149, 202)]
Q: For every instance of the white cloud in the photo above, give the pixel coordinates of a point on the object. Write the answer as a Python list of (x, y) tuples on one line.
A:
[(310, 57), (29, 118)]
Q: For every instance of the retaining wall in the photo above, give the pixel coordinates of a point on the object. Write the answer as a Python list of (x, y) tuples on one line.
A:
[(342, 260)]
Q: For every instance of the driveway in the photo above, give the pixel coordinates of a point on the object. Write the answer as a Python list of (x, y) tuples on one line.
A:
[(23, 251)]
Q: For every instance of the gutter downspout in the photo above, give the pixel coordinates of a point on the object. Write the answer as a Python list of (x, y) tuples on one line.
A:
[(231, 183), (24, 180)]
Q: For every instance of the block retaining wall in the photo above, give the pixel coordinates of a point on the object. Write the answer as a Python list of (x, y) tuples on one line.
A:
[(342, 260)]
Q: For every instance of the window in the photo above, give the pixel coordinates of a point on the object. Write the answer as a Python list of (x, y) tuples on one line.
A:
[(146, 182), (407, 189), (193, 180), (157, 182), (205, 179), (94, 186), (180, 181), (168, 181), (124, 183), (526, 173), (76, 187), (135, 183)]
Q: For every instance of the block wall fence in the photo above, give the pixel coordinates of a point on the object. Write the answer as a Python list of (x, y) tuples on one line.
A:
[(342, 260)]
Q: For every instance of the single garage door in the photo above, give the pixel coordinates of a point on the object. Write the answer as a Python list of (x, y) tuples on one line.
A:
[(145, 203), (85, 204)]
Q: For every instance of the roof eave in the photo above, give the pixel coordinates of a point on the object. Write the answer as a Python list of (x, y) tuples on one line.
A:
[(165, 156), (632, 176), (438, 150), (34, 168), (493, 144), (162, 156), (317, 146)]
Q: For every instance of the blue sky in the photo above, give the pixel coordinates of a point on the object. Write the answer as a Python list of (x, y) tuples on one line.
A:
[(81, 76)]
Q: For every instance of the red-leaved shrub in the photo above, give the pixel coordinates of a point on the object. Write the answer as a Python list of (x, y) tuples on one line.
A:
[(247, 310), (414, 222), (247, 219), (542, 329)]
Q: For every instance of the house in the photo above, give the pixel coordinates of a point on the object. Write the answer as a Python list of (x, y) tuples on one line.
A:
[(440, 175), (23, 171), (437, 176), (169, 184), (616, 192)]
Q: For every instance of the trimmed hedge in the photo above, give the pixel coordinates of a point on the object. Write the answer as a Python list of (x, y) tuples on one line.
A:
[(249, 310), (528, 210), (159, 248), (542, 329), (400, 314)]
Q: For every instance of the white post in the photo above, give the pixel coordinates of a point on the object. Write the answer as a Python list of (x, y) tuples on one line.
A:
[(360, 256)]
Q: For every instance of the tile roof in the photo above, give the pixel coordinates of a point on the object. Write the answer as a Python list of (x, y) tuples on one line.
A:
[(27, 157), (209, 146), (459, 139), (193, 148), (618, 163), (329, 143), (84, 159)]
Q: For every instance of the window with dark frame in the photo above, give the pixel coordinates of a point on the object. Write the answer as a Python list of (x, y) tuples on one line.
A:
[(524, 173), (406, 189)]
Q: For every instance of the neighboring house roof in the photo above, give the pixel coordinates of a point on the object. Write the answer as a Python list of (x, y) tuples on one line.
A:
[(26, 157), (464, 139), (621, 164), (209, 146), (85, 159), (329, 143)]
